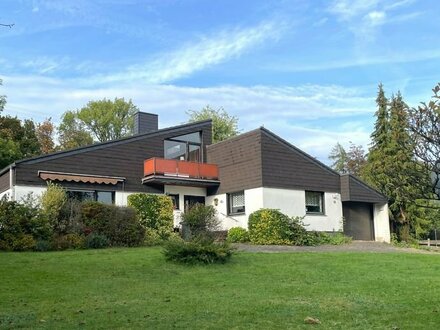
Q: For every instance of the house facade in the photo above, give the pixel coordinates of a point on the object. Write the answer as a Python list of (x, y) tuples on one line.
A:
[(254, 170)]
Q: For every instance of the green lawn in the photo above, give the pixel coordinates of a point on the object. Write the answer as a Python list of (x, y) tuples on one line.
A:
[(136, 288)]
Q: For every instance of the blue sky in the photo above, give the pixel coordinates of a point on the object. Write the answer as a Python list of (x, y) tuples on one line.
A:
[(307, 70)]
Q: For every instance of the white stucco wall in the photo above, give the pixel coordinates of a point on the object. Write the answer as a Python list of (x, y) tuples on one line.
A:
[(253, 202), (7, 194), (290, 202), (293, 203), (22, 192), (381, 223)]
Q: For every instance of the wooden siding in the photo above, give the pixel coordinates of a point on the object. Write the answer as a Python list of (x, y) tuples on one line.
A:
[(4, 181), (285, 166), (123, 158), (239, 162), (355, 190)]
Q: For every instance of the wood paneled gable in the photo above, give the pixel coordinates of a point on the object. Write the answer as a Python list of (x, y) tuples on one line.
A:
[(355, 190), (122, 158), (286, 166)]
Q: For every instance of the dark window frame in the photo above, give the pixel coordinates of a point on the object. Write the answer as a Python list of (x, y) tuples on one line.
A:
[(230, 207), (188, 144), (94, 192), (175, 197), (322, 202)]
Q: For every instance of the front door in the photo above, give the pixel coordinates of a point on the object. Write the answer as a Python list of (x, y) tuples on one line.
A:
[(192, 200)]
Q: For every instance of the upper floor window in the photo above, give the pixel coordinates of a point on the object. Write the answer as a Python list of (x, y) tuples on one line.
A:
[(184, 147), (236, 203), (314, 202)]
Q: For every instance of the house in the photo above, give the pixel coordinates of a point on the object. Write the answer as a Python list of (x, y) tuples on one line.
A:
[(254, 170)]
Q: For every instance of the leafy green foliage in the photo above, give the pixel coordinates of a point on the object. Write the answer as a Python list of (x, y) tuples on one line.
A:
[(52, 202), (96, 241), (197, 252), (69, 241), (351, 162), (119, 224), (17, 140), (72, 133), (21, 226), (270, 226), (200, 221), (2, 99), (224, 126), (393, 169), (45, 132), (238, 235), (154, 212)]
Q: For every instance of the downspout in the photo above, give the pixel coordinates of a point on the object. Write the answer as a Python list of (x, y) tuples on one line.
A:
[(11, 181)]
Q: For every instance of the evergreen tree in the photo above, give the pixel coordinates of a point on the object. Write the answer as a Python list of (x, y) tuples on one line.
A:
[(339, 157)]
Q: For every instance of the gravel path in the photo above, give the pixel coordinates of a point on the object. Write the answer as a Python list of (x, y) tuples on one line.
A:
[(355, 246)]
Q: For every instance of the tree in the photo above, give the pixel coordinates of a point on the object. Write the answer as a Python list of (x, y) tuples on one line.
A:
[(108, 120), (348, 162), (17, 140), (339, 157), (224, 126), (2, 99), (393, 169), (72, 133), (45, 133), (425, 129), (355, 159)]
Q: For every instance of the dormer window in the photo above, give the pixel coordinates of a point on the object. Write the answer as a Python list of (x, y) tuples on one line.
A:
[(184, 147)]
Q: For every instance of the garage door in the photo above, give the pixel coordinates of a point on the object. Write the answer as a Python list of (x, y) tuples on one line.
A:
[(358, 220)]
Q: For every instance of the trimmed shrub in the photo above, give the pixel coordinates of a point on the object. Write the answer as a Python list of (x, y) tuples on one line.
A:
[(269, 226), (96, 241), (197, 252), (52, 202), (69, 241), (200, 221), (237, 235), (154, 212), (119, 224), (21, 226), (43, 246)]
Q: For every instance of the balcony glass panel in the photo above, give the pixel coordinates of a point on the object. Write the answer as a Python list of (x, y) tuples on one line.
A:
[(175, 150)]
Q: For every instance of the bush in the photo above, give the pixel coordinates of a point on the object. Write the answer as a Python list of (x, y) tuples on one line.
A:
[(238, 235), (154, 212), (52, 202), (197, 252), (21, 226), (269, 226), (96, 241), (43, 246), (69, 241), (119, 224), (200, 221)]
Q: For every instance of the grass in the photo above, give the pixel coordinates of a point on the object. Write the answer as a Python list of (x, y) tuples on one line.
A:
[(136, 288)]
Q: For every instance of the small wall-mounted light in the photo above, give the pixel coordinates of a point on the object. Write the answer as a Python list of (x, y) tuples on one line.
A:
[(215, 201)]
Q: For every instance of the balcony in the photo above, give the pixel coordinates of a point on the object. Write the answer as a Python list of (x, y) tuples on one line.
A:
[(179, 172)]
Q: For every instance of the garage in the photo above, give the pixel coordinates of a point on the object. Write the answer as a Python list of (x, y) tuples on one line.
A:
[(364, 209)]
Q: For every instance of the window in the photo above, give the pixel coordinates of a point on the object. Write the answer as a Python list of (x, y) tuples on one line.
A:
[(236, 203), (314, 202), (105, 197), (176, 201), (184, 147)]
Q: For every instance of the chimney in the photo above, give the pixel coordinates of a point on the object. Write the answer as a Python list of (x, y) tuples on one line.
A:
[(145, 122)]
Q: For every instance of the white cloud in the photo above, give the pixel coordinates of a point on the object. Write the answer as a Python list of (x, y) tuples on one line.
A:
[(364, 17), (390, 58), (197, 56), (300, 114)]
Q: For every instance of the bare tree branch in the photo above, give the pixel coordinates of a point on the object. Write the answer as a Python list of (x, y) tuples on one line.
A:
[(7, 25)]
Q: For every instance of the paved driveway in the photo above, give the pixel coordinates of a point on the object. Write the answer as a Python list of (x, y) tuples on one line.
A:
[(355, 246)]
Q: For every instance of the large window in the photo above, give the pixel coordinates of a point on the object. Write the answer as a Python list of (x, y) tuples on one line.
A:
[(176, 201), (184, 147), (314, 202), (236, 203), (106, 197)]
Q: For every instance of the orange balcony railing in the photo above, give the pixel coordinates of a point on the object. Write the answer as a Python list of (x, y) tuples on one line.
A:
[(180, 168)]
